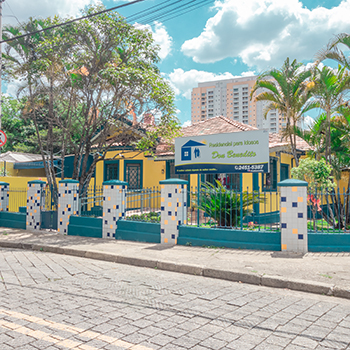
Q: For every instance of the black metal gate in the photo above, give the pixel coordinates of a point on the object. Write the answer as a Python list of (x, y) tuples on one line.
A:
[(49, 209)]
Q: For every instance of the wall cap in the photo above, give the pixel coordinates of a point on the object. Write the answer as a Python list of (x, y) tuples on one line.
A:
[(2, 183), (173, 182), (37, 182), (68, 181), (292, 183), (115, 182)]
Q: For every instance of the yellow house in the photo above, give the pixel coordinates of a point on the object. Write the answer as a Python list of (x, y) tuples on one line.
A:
[(142, 171)]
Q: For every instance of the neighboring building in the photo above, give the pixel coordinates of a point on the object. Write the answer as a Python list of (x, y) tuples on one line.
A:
[(231, 98)]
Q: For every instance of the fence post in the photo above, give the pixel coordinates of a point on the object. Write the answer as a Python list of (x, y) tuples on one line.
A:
[(114, 206), (4, 196), (34, 204), (68, 194), (173, 209), (293, 215)]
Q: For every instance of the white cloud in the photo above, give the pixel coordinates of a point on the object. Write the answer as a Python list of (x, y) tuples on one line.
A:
[(186, 123), (184, 81), (11, 88), (307, 122), (264, 32), (41, 8), (160, 36)]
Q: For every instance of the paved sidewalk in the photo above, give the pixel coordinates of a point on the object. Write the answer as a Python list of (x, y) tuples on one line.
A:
[(321, 273)]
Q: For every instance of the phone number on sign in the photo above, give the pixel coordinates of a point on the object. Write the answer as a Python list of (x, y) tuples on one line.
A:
[(249, 167)]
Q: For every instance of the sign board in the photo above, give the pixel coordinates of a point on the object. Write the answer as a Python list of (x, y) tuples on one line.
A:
[(3, 138), (237, 152)]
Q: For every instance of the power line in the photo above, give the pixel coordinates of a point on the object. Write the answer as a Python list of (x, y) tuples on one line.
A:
[(8, 5), (149, 11), (71, 21), (178, 11), (143, 15)]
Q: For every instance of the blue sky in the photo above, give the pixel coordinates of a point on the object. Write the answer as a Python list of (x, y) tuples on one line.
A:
[(223, 39)]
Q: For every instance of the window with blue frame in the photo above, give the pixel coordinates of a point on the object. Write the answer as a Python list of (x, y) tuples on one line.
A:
[(270, 179), (111, 170)]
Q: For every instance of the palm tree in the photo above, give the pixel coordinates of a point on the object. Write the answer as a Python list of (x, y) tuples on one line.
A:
[(287, 91), (329, 89), (333, 52), (314, 136)]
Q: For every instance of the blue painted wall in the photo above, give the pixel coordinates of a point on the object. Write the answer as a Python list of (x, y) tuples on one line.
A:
[(138, 231), (13, 220), (329, 242), (85, 226), (197, 236)]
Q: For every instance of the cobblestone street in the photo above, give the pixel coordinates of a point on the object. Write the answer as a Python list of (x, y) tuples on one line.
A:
[(50, 301)]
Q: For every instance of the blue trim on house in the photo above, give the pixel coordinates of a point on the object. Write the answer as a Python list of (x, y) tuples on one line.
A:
[(285, 166), (107, 162), (37, 182), (33, 165)]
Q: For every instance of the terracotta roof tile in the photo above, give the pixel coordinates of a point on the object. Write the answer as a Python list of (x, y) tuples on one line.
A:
[(216, 125)]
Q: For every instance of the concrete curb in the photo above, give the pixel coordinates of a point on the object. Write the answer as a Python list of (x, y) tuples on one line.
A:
[(234, 276)]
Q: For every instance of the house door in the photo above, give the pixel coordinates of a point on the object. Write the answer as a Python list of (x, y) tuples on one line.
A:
[(133, 175)]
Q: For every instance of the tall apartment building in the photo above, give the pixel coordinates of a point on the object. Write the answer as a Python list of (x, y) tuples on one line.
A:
[(231, 98)]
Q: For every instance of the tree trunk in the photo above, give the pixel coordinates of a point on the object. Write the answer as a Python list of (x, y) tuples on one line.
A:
[(328, 138), (292, 138)]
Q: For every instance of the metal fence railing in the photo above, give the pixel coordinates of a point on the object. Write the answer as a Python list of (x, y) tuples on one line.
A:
[(17, 198), (91, 202), (143, 204), (328, 212), (219, 207)]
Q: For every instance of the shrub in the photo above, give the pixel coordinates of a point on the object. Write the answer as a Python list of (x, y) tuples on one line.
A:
[(224, 206), (147, 217)]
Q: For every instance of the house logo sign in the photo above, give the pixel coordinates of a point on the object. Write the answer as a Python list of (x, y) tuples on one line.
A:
[(190, 150)]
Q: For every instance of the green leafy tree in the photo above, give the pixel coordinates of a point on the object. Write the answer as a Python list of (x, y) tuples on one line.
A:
[(329, 90), (20, 132), (318, 175), (286, 90), (90, 80), (333, 52)]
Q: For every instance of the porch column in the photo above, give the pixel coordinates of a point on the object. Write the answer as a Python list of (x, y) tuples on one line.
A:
[(173, 209), (293, 215), (114, 206), (68, 194), (4, 196), (35, 203)]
